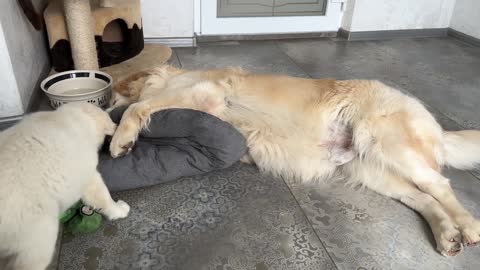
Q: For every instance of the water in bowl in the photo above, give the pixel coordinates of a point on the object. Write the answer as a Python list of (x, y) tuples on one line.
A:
[(78, 91), (77, 86)]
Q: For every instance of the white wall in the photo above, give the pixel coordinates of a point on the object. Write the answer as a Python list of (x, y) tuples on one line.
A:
[(167, 18), (376, 15), (27, 54), (466, 17), (347, 17), (175, 18), (10, 102)]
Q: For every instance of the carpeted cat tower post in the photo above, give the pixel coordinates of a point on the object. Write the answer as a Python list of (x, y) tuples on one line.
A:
[(81, 34), (93, 34), (88, 34)]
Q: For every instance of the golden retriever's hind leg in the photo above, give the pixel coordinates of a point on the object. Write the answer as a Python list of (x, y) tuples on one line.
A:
[(432, 182), (447, 237), (411, 152)]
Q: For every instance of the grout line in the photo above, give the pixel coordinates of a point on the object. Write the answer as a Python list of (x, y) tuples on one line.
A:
[(310, 223), (174, 54), (178, 59), (474, 176), (291, 59)]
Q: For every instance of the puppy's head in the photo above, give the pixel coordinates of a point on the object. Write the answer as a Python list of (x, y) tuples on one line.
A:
[(102, 121)]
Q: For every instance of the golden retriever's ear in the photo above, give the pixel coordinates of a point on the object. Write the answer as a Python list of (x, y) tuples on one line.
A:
[(125, 88)]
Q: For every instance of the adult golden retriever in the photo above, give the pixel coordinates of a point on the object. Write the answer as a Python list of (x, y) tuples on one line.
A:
[(309, 129)]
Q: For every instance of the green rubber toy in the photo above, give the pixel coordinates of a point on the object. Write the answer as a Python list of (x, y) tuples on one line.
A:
[(70, 213), (81, 218)]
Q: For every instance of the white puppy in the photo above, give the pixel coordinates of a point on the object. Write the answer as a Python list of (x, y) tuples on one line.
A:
[(48, 162)]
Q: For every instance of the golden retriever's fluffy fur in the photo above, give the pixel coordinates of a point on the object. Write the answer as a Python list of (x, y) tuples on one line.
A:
[(310, 129)]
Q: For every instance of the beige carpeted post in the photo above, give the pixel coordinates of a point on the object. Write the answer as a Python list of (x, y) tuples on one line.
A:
[(78, 15)]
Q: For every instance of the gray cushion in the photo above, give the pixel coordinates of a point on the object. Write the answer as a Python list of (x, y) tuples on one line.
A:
[(178, 142)]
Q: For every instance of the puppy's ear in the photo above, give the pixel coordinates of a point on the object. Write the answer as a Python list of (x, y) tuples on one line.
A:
[(110, 128), (102, 119)]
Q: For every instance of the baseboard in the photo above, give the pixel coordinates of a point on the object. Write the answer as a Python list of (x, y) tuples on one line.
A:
[(173, 42), (463, 37), (392, 34), (218, 38), (11, 119), (6, 122)]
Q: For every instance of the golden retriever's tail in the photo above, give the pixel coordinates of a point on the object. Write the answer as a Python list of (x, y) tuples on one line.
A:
[(462, 148)]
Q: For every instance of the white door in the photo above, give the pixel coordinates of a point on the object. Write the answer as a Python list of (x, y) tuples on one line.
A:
[(230, 17)]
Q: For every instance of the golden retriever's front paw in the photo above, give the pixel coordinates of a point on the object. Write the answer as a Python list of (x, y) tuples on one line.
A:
[(122, 144), (117, 151)]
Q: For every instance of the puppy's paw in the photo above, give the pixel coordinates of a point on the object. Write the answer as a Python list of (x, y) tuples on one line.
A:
[(118, 210)]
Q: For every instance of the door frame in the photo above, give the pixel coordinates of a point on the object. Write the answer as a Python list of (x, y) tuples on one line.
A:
[(207, 23)]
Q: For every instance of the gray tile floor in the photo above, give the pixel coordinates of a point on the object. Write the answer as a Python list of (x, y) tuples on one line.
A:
[(241, 219)]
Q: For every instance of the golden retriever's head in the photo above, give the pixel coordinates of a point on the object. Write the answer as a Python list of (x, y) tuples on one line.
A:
[(128, 90), (118, 100)]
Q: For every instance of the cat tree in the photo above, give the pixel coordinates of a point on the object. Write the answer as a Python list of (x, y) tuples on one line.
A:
[(91, 34)]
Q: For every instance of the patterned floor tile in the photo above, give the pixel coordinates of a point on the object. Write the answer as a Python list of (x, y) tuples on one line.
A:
[(230, 219), (366, 231)]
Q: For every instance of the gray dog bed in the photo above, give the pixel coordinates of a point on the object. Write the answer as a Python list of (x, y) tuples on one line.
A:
[(178, 142)]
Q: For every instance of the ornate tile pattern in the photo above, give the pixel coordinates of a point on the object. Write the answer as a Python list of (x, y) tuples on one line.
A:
[(364, 230), (231, 219)]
